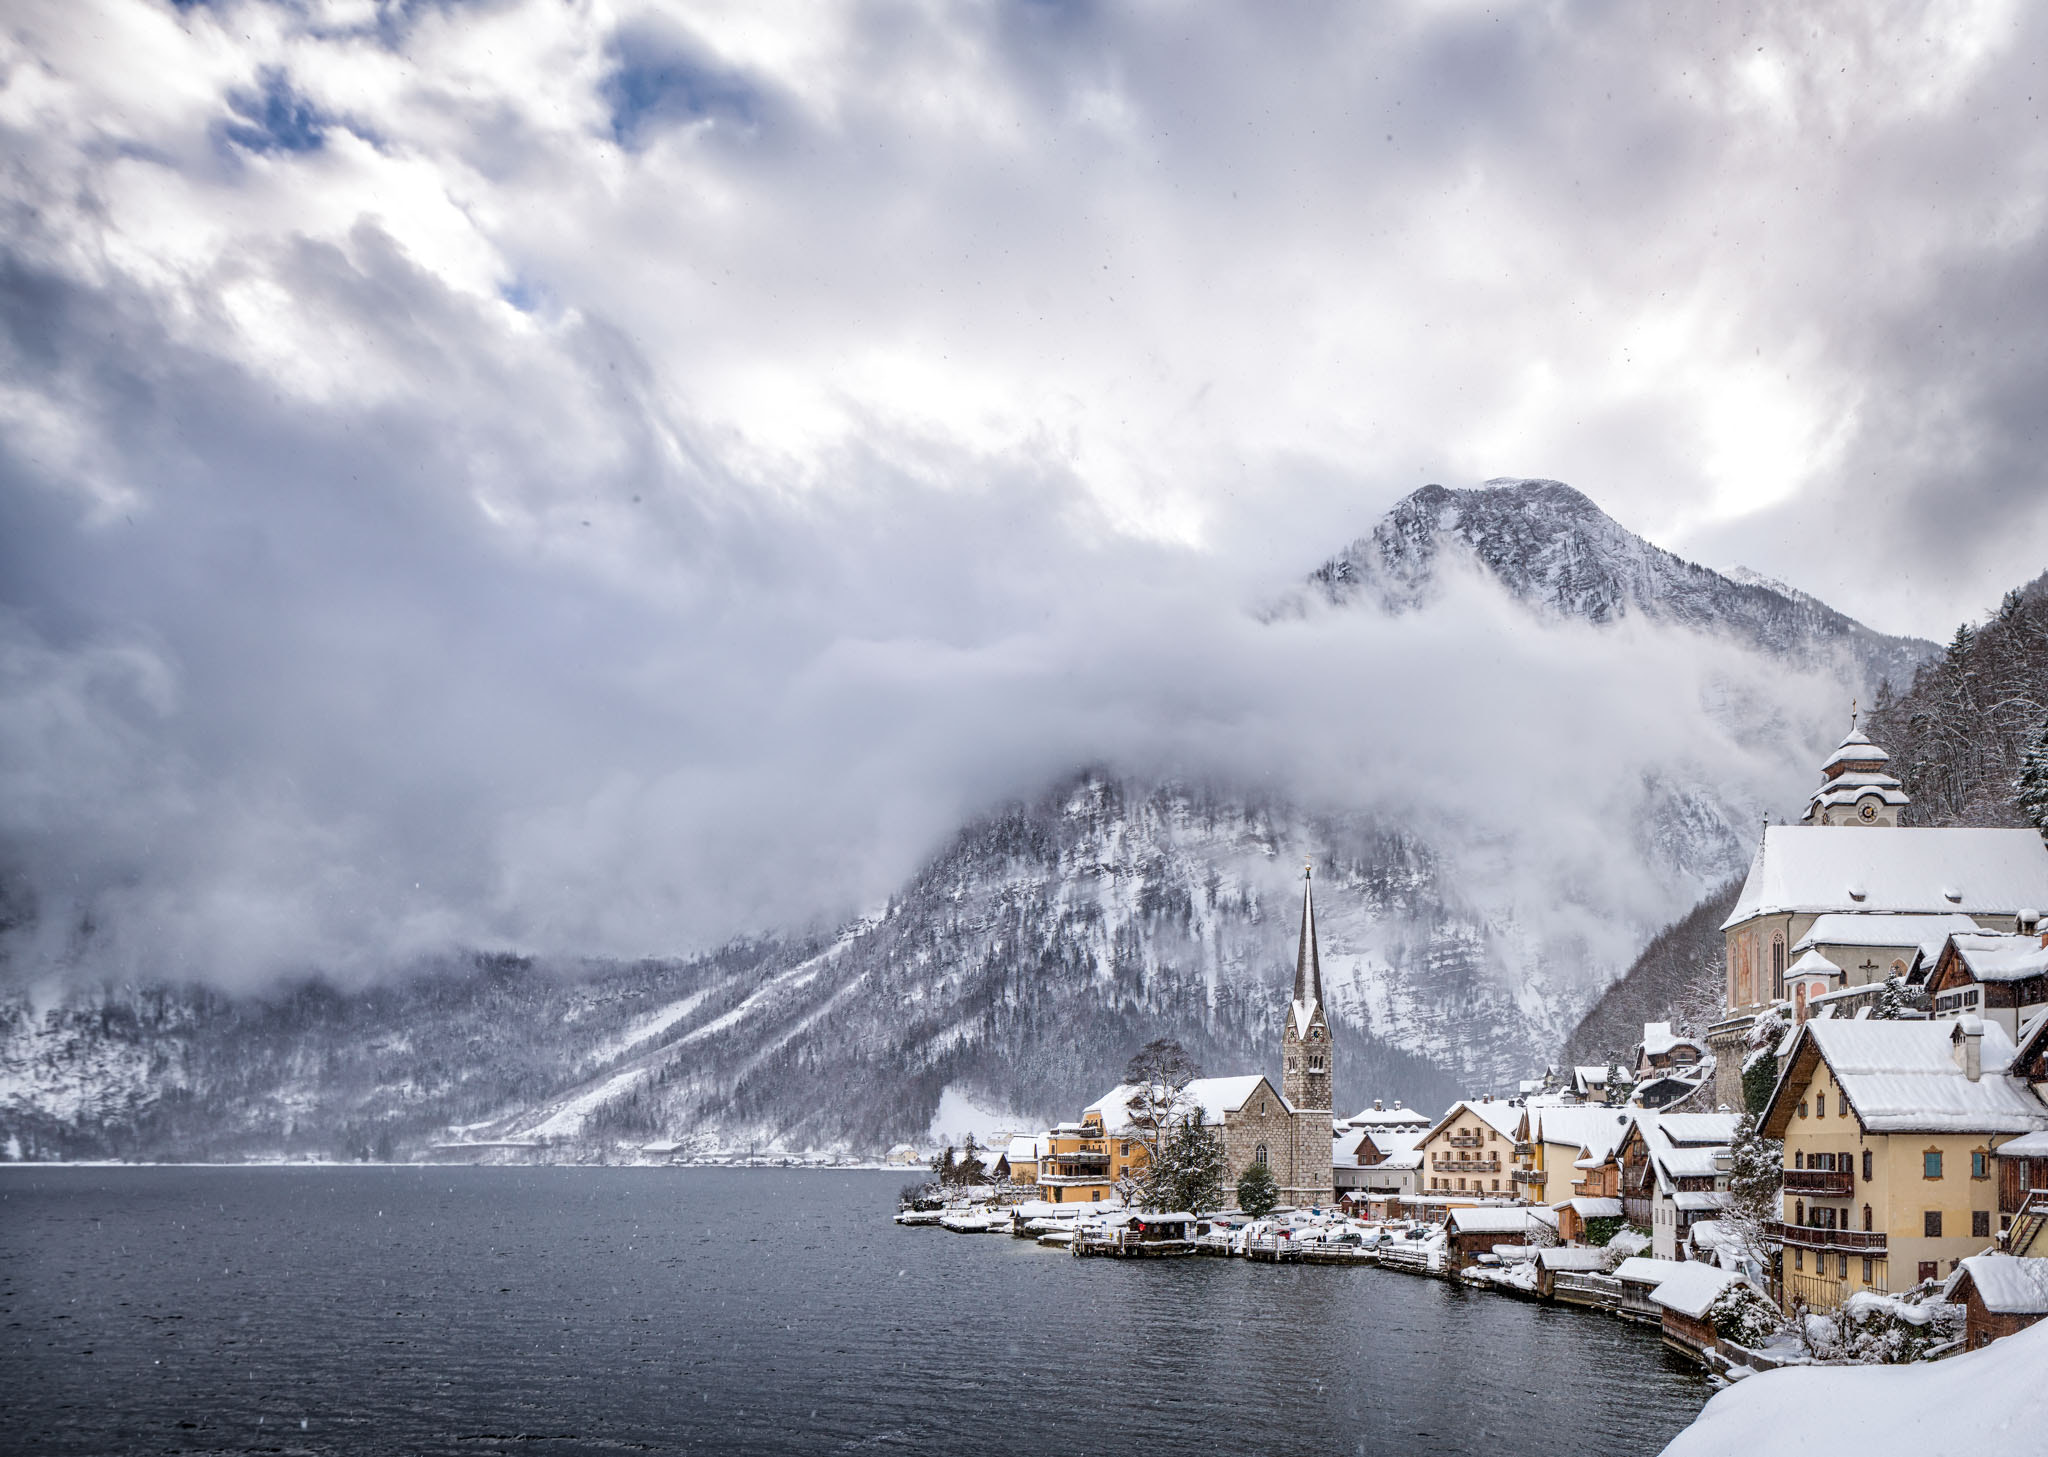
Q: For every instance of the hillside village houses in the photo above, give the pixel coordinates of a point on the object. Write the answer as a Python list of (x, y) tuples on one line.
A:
[(1907, 973), (1849, 899)]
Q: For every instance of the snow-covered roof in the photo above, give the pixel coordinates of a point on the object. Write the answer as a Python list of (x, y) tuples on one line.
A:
[(1855, 749), (1813, 964), (1658, 1039), (1817, 869), (1587, 1208), (1397, 1116), (2026, 1146), (2001, 955), (1501, 1116), (1218, 1096), (1492, 1221), (1571, 1257), (1692, 1288), (1023, 1149), (1697, 1128), (1395, 1162), (1902, 1076), (1929, 932), (1699, 1201), (1642, 1270), (1215, 1096), (1591, 1129), (2010, 1284)]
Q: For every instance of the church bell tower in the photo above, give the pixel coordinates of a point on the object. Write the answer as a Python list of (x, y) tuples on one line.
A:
[(1305, 1041)]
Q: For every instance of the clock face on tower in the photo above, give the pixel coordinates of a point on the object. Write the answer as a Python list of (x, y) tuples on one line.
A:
[(1315, 1034), (1869, 811)]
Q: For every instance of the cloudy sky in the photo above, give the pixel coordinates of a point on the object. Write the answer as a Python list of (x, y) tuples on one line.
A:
[(608, 476)]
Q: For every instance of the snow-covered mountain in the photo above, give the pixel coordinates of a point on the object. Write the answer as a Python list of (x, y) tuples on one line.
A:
[(1555, 550), (1016, 971)]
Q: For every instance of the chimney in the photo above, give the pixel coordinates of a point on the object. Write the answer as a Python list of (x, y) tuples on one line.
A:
[(1377, 1107), (1967, 1042), (2028, 921)]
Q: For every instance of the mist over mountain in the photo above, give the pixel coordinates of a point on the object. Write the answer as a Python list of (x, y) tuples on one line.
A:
[(1514, 737)]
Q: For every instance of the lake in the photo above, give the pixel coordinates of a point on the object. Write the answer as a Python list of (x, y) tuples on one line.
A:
[(478, 1310)]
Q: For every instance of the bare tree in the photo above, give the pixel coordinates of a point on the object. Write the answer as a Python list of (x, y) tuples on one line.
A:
[(1159, 1072)]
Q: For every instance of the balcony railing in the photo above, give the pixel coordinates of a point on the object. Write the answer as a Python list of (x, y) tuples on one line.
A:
[(1534, 1177), (1838, 1182), (1808, 1237)]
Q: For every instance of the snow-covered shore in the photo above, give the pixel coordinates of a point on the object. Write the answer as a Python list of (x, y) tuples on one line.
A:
[(1988, 1403)]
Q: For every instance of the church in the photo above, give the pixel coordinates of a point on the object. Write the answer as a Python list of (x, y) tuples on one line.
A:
[(1837, 905), (1289, 1128)]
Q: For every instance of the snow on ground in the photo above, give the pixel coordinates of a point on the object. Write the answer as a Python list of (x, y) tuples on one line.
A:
[(1988, 1403)]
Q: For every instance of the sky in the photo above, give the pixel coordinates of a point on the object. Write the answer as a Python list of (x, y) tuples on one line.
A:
[(608, 477)]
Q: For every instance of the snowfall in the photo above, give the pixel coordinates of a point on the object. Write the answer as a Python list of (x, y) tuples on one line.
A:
[(1988, 1403)]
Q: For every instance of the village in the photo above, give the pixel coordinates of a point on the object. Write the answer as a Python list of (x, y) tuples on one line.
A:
[(1848, 1166)]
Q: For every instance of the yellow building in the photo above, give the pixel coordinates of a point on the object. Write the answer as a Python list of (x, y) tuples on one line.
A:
[(1550, 1141), (1468, 1155), (1890, 1130)]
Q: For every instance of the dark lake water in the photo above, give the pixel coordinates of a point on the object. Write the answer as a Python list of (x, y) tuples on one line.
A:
[(465, 1310)]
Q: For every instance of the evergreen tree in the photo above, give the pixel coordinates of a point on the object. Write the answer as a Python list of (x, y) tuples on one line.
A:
[(942, 1166), (1756, 1178), (1257, 1191), (970, 1169), (1893, 1000), (2032, 783), (1190, 1171)]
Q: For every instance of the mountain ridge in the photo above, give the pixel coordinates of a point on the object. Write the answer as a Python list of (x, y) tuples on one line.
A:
[(1014, 970)]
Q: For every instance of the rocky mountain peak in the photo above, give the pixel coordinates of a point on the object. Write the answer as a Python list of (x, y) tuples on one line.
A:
[(1558, 553)]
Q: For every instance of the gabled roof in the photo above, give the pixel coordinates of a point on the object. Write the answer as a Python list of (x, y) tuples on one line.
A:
[(1903, 1076), (1503, 1117), (1642, 1270), (1692, 1288), (1395, 1117), (1813, 964), (2007, 1284), (1818, 869), (1999, 955), (1215, 1097), (1493, 1221), (1589, 1128)]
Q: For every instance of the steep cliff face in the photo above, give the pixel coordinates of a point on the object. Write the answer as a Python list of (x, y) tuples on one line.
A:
[(1018, 969)]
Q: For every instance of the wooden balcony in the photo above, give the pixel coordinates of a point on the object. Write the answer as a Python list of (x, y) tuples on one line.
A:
[(1468, 1166), (1808, 1237), (1838, 1183), (1534, 1178)]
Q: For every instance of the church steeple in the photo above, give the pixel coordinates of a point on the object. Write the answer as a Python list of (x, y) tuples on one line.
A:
[(1855, 788), (1308, 966), (1305, 1037)]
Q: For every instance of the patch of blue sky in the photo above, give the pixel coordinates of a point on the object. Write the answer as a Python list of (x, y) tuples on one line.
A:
[(658, 82), (275, 119)]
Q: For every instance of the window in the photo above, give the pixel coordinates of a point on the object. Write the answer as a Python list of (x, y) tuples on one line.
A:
[(1799, 1159), (1095, 1194), (1798, 1258), (1930, 1164), (1259, 1154), (1802, 1107), (1866, 1166), (1496, 1183), (1777, 968), (1841, 1107), (1868, 1276), (1930, 1224), (1842, 1266), (1820, 1105), (1799, 1211), (1980, 1224), (1980, 1164), (1866, 1228)]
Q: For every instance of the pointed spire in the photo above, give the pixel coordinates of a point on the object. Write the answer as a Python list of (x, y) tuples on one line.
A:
[(1308, 965)]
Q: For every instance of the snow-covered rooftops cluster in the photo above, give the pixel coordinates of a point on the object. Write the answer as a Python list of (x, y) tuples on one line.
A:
[(1809, 869)]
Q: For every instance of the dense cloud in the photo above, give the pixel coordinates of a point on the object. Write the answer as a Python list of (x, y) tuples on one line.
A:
[(606, 478)]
